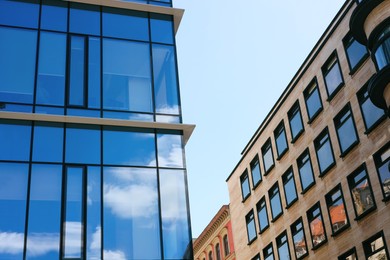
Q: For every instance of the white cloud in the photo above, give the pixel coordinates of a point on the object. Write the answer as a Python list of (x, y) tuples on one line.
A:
[(42, 243), (170, 152), (73, 231), (113, 255), (11, 243)]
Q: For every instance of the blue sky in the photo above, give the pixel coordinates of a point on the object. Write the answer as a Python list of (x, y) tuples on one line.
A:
[(235, 59)]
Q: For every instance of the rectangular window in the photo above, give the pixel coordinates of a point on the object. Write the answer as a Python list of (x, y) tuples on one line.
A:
[(290, 190), (48, 142), (268, 252), (349, 255), (372, 115), (295, 120), (313, 100), (77, 66), (283, 248), (255, 172), (268, 158), (54, 15), (361, 192), (306, 175), (245, 189), (161, 28), (336, 209), (82, 144), (382, 161), (375, 247), (250, 227), (262, 215), (84, 19), (280, 140), (317, 229), (332, 75), (299, 239), (276, 204), (324, 151), (356, 52), (15, 140), (256, 257), (346, 130)]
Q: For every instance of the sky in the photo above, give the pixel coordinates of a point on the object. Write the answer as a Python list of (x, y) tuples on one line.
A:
[(235, 59)]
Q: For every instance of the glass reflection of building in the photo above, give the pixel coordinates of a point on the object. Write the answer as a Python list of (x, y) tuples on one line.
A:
[(92, 161)]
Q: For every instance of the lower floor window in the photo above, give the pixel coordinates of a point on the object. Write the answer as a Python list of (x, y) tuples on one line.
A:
[(375, 247)]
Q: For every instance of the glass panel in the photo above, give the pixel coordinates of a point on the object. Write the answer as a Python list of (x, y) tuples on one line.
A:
[(281, 142), (82, 112), (54, 15), (131, 214), (117, 22), (317, 229), (296, 122), (161, 27), (84, 19), (245, 189), (305, 172), (255, 170), (127, 76), (82, 145), (77, 79), (337, 215), (168, 119), (74, 213), (325, 155), (299, 244), (289, 188), (356, 52), (122, 146), (333, 78), (347, 134), (13, 194), (362, 196), (382, 54), (43, 239), (94, 72), (128, 116), (384, 173), (262, 215), (28, 13), (17, 63), (174, 213), (15, 139), (170, 150), (371, 113), (226, 245), (283, 251), (51, 69), (313, 102), (165, 80), (250, 226), (48, 142), (16, 108), (276, 206), (268, 158), (49, 110)]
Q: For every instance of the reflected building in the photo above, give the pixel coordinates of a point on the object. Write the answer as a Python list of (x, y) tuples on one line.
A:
[(314, 180), (92, 141)]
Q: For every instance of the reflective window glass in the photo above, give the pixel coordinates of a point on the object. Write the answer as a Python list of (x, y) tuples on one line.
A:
[(131, 205), (268, 252), (313, 100), (51, 69), (283, 248), (316, 223), (93, 228), (77, 77), (268, 158), (262, 215), (295, 120), (54, 15), (336, 209), (126, 24), (299, 239), (245, 189), (346, 130), (170, 150), (174, 214), (123, 146), (84, 19), (43, 237), (290, 190), (375, 247), (28, 13), (324, 152), (255, 171), (305, 169), (13, 195), (217, 252), (332, 75), (126, 76), (15, 139), (371, 113), (166, 87), (250, 226), (48, 142), (211, 255), (356, 52), (281, 140), (17, 63), (276, 204), (226, 245), (82, 144), (94, 72), (349, 255), (382, 51), (382, 162), (161, 27)]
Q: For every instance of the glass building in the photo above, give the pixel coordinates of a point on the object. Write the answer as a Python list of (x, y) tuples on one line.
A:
[(92, 141)]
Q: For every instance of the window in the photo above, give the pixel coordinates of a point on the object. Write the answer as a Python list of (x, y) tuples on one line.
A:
[(268, 252), (268, 158), (290, 191), (372, 115), (336, 208), (218, 251), (283, 248), (324, 151), (54, 15), (256, 257), (356, 52), (305, 169), (15, 140), (48, 142), (226, 245), (276, 204), (210, 255), (295, 120), (361, 192), (28, 13), (281, 140), (382, 162), (381, 49), (317, 229), (250, 227), (161, 27), (84, 19), (299, 239), (312, 100), (169, 149), (332, 75), (349, 255), (255, 171), (82, 144), (346, 130), (262, 215), (375, 247), (245, 190)]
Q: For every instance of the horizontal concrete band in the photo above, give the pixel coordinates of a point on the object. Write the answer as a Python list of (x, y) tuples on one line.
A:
[(185, 128)]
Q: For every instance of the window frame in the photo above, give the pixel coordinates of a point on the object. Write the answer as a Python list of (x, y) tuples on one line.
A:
[(218, 251), (226, 247), (311, 217), (210, 255), (326, 68), (255, 163), (260, 207), (286, 178), (256, 257), (278, 132), (379, 162), (294, 231), (293, 112), (267, 147), (348, 253), (250, 218), (244, 178), (280, 243), (367, 245), (305, 153), (307, 93), (318, 145), (330, 202), (348, 40), (271, 194), (268, 251)]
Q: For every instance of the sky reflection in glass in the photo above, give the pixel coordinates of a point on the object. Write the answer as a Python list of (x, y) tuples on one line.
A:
[(170, 150), (15, 139), (82, 144), (48, 142), (93, 213)]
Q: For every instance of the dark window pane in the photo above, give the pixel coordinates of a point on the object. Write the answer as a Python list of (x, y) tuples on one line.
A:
[(13, 194), (77, 71), (295, 120), (27, 13), (255, 171), (170, 150), (245, 189), (324, 151), (281, 140), (93, 228), (375, 247), (94, 72), (84, 19), (174, 214), (17, 63), (54, 15), (332, 75), (262, 214), (313, 100), (336, 209), (48, 142), (317, 230), (371, 113), (51, 69), (126, 76), (305, 170), (161, 27), (382, 54), (15, 139), (268, 158), (355, 51), (382, 162), (218, 252), (82, 145), (131, 226), (361, 191), (43, 238), (165, 80), (226, 245), (250, 226), (276, 204), (290, 191), (125, 24)]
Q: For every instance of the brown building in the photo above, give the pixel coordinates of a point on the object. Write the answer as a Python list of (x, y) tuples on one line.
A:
[(314, 182), (216, 240)]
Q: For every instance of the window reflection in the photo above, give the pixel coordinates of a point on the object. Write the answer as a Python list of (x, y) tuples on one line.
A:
[(336, 209), (299, 239), (28, 13), (276, 204), (316, 223), (268, 158), (313, 100), (48, 142), (82, 144), (305, 171), (262, 214), (371, 114), (295, 120), (161, 27), (382, 162), (324, 152), (362, 196), (15, 139), (245, 189), (346, 130), (332, 75), (54, 15), (170, 150)]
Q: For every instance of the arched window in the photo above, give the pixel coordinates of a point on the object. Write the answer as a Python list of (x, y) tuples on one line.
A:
[(226, 245), (210, 255), (218, 251)]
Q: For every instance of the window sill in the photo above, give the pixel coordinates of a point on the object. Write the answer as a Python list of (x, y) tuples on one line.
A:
[(297, 136), (322, 175), (335, 92), (358, 65), (350, 148), (277, 217), (245, 199), (269, 170), (282, 154), (375, 125), (364, 214), (338, 232), (251, 242), (263, 230), (308, 188), (314, 117), (257, 185), (319, 245), (291, 203)]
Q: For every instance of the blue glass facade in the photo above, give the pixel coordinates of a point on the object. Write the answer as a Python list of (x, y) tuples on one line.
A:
[(90, 190)]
